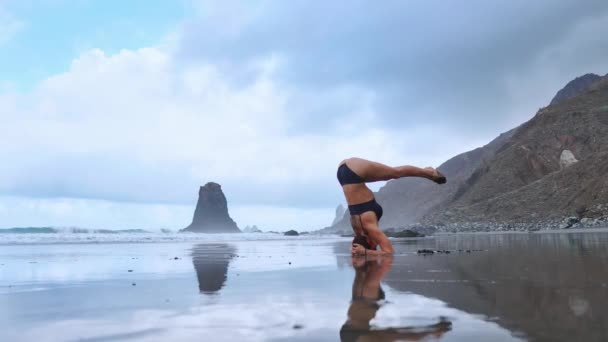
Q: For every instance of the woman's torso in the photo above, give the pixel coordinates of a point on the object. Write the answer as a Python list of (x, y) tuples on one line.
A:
[(357, 193)]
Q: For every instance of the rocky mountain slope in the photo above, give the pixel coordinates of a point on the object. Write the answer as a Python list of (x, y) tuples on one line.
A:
[(554, 166), (407, 200), (575, 87), (549, 168)]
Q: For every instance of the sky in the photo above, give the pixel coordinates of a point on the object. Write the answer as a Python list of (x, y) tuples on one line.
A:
[(113, 113)]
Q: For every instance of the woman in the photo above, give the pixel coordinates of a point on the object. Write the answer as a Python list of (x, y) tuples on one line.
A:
[(365, 212)]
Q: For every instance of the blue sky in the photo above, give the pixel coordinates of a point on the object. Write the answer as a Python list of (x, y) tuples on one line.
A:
[(113, 113), (52, 32)]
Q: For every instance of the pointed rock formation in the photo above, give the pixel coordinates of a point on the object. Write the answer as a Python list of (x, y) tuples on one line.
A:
[(211, 214), (339, 214)]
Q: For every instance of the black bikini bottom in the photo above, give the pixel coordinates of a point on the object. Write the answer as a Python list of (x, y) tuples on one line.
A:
[(358, 209)]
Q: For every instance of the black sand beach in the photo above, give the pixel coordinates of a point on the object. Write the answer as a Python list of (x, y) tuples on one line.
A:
[(491, 287)]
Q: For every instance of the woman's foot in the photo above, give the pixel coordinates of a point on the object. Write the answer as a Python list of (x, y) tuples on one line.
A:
[(435, 175)]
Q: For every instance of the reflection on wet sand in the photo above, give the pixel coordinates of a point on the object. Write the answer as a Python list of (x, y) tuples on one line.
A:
[(367, 297), (549, 287), (211, 264)]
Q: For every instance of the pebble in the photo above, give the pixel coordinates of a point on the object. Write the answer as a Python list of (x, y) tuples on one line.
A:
[(426, 251)]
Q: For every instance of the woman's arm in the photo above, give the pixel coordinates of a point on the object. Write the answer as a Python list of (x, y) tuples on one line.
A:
[(374, 233)]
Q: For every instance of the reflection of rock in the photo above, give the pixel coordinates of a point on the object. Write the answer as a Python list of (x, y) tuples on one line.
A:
[(211, 264), (211, 214)]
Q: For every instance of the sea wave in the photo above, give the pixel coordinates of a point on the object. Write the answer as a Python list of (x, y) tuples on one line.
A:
[(52, 235), (54, 230)]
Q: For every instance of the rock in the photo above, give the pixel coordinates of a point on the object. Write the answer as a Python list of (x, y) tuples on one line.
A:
[(566, 159), (339, 214), (568, 222), (426, 251), (581, 211), (252, 229), (403, 234), (575, 87), (291, 233), (211, 214)]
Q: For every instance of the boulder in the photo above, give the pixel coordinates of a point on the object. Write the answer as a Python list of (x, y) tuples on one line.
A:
[(566, 159), (291, 233)]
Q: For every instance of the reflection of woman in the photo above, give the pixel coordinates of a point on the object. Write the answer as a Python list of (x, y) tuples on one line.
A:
[(365, 303), (365, 212)]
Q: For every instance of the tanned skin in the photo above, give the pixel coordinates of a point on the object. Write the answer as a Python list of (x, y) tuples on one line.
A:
[(365, 304), (367, 223)]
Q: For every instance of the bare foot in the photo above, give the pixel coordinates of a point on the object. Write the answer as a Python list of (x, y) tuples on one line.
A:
[(436, 176)]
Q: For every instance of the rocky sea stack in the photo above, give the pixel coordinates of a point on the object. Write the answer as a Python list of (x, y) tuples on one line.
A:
[(211, 214)]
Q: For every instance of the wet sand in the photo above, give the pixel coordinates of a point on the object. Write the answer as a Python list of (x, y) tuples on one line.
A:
[(508, 287)]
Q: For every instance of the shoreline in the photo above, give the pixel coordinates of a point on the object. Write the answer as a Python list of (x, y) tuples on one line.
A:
[(546, 231)]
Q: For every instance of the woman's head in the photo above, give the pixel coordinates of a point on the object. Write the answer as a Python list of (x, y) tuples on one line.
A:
[(362, 240)]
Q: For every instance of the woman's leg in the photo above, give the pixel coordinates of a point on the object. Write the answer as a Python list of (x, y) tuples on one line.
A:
[(373, 171)]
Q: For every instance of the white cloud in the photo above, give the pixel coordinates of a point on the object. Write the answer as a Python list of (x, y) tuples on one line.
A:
[(138, 131), (137, 126), (9, 26)]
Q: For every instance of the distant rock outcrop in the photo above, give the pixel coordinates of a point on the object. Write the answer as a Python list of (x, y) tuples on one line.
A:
[(291, 233), (211, 214), (339, 214), (251, 229)]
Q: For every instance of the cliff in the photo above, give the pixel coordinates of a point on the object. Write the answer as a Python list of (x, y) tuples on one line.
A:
[(553, 167), (541, 172), (211, 214)]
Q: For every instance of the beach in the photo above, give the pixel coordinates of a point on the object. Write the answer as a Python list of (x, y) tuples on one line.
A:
[(498, 287)]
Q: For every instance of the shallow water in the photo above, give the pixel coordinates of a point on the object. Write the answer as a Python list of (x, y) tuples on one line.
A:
[(543, 287)]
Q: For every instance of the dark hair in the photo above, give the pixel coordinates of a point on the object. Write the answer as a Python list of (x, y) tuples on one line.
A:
[(362, 240)]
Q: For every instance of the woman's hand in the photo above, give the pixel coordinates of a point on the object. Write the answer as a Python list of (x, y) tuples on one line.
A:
[(357, 249)]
